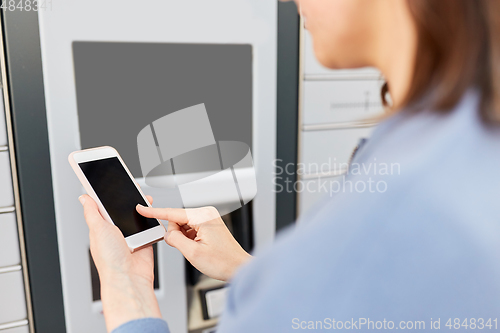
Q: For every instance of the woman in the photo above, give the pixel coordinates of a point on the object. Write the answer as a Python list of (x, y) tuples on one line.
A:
[(416, 256)]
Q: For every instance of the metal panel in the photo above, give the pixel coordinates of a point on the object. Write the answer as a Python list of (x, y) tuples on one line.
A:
[(338, 108), (29, 124), (13, 301), (330, 149), (191, 22), (9, 241), (6, 191), (341, 101), (312, 191), (3, 127), (288, 99), (21, 329)]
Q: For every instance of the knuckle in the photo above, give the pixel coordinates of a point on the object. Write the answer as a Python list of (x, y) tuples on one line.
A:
[(210, 213), (169, 238), (193, 252), (213, 210), (172, 237)]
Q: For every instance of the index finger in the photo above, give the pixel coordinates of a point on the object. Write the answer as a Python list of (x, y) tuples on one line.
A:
[(177, 215)]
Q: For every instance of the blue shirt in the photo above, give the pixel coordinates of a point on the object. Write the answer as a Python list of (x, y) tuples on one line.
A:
[(409, 239)]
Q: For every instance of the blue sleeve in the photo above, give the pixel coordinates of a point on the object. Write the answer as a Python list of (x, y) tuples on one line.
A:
[(145, 325), (343, 271)]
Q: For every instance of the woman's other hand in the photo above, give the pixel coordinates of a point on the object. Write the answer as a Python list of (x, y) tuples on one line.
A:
[(127, 291), (203, 238)]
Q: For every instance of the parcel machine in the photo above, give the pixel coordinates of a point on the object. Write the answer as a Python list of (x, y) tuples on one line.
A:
[(80, 74)]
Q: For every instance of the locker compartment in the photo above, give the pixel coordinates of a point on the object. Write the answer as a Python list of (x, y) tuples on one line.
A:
[(313, 67), (341, 101), (9, 241), (315, 190), (3, 127), (13, 301), (6, 193), (330, 150)]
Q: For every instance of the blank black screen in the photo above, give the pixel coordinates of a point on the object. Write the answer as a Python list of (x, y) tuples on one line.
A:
[(118, 194)]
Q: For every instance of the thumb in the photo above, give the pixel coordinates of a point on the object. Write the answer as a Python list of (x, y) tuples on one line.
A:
[(176, 238), (91, 212)]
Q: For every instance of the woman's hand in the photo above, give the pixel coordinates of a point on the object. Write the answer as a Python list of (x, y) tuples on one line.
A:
[(203, 238), (127, 291)]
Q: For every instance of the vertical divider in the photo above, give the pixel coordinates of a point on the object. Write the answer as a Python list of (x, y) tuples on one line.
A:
[(287, 110), (22, 79)]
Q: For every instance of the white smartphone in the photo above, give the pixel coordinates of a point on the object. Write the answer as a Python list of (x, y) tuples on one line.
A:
[(108, 181)]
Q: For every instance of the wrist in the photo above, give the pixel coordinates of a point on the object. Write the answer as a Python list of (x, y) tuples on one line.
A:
[(125, 299), (238, 261)]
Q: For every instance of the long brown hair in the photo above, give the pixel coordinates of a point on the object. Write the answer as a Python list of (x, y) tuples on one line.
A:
[(458, 48)]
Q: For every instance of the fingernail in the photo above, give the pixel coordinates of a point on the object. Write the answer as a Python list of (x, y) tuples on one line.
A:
[(141, 205), (81, 199)]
